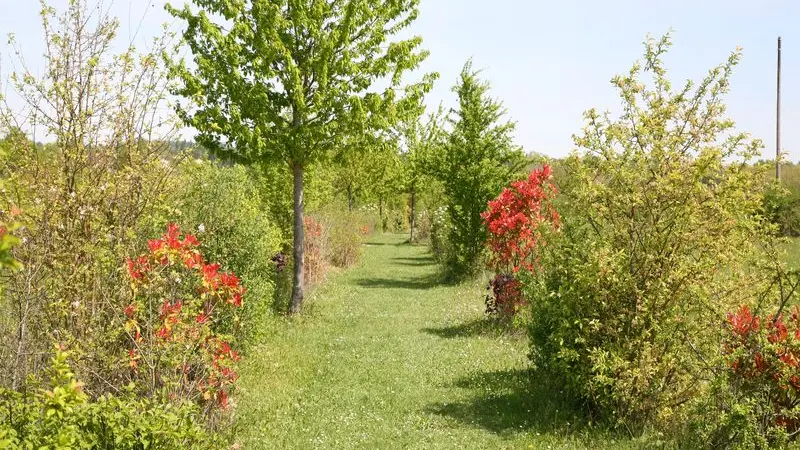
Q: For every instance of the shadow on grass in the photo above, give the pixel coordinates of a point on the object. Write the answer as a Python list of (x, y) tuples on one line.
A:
[(386, 244), (512, 401), (426, 282), (485, 326), (418, 261)]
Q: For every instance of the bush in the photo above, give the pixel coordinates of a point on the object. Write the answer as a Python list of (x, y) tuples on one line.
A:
[(344, 242), (517, 221), (315, 250), (505, 298), (62, 416), (659, 234), (179, 323), (334, 237), (782, 207), (274, 185), (440, 235), (223, 205), (422, 226), (755, 400), (82, 196), (395, 221), (345, 232)]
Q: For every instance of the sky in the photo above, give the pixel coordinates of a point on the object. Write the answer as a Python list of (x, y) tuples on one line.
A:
[(548, 61)]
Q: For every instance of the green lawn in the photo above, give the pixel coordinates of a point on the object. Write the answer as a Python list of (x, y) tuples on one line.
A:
[(388, 357)]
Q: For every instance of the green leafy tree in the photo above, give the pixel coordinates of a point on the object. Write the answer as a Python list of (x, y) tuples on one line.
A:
[(480, 158), (366, 166), (286, 80), (385, 175), (422, 141)]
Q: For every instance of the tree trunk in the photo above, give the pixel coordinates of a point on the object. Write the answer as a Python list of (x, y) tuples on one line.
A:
[(380, 207), (298, 284), (413, 213)]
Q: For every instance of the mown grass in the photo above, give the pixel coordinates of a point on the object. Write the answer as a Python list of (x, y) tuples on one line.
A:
[(389, 357)]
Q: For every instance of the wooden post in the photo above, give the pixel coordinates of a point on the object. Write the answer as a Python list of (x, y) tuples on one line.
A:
[(778, 119)]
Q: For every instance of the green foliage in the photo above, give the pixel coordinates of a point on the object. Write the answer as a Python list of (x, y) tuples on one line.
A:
[(82, 196), (659, 240), (422, 226), (395, 220), (223, 205), (367, 168), (271, 94), (753, 400), (422, 141), (182, 310), (274, 184), (288, 81), (61, 416), (479, 158), (782, 207), (7, 243), (441, 229), (7, 239)]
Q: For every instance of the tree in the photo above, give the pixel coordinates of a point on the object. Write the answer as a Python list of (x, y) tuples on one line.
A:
[(366, 164), (284, 80), (480, 158), (421, 140)]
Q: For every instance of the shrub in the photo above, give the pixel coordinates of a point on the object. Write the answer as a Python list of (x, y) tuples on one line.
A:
[(7, 242), (422, 226), (755, 400), (440, 235), (659, 234), (782, 207), (315, 250), (516, 221), (275, 189), (505, 298), (368, 218), (83, 194), (334, 237), (344, 242), (345, 232), (395, 221), (182, 307), (224, 205), (62, 416)]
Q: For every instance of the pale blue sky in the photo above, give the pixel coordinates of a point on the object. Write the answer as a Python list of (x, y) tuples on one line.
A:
[(550, 61)]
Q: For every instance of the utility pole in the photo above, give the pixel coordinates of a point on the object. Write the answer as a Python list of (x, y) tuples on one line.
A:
[(778, 119)]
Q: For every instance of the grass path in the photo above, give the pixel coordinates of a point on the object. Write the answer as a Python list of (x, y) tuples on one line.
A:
[(387, 357)]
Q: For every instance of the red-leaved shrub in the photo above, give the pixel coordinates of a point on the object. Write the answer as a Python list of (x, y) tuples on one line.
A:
[(182, 306), (763, 356), (516, 220), (314, 250)]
